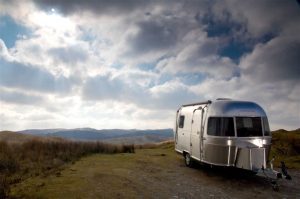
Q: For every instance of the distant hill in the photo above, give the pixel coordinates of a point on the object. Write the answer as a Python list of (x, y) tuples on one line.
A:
[(109, 135), (15, 137), (40, 132)]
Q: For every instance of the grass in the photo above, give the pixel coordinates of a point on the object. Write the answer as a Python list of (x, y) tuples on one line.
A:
[(35, 167), (154, 172), (22, 160), (104, 176), (286, 147)]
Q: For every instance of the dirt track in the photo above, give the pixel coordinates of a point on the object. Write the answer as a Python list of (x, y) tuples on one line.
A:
[(205, 182), (202, 181)]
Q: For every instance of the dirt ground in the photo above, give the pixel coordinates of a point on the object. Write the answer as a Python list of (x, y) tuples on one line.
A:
[(152, 173)]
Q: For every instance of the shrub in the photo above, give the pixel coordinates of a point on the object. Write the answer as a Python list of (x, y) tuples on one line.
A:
[(128, 148), (4, 186)]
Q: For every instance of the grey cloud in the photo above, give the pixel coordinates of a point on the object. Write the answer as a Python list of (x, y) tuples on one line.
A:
[(18, 75), (112, 7), (69, 55), (105, 88), (153, 35), (16, 97), (278, 60), (199, 55), (259, 17), (174, 99), (101, 88)]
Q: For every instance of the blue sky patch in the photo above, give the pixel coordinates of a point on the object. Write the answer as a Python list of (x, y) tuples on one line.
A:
[(192, 79), (234, 50), (147, 66), (10, 30)]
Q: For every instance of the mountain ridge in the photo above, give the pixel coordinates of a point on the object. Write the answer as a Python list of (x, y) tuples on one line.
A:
[(115, 135)]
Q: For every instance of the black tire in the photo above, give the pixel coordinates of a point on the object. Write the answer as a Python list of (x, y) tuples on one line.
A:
[(188, 160), (275, 186)]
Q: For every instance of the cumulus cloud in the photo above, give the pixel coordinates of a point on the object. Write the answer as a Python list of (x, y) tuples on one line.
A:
[(17, 97), (102, 7), (18, 75), (278, 60), (132, 63), (199, 54), (164, 96), (69, 55), (151, 36), (259, 17)]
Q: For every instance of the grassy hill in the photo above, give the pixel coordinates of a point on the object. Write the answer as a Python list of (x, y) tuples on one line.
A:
[(286, 147), (14, 137)]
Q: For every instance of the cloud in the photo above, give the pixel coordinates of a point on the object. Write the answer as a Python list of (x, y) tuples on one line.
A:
[(69, 55), (168, 95), (3, 51), (17, 97), (17, 75), (101, 7), (171, 95), (152, 36), (132, 63), (102, 88), (199, 54), (259, 17), (278, 60)]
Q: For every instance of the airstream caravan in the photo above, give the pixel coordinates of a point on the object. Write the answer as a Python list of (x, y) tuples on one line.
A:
[(224, 133)]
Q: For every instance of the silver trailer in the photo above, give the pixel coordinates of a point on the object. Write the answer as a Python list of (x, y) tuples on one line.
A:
[(225, 133)]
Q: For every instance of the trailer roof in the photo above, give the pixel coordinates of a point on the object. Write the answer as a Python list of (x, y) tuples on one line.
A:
[(235, 108), (227, 107)]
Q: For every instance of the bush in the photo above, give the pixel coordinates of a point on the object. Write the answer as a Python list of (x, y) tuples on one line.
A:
[(4, 186), (128, 148)]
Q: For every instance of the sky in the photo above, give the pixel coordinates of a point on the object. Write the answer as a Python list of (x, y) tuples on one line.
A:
[(131, 64)]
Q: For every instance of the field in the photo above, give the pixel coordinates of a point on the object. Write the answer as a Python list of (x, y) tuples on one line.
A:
[(24, 157), (64, 169), (150, 173)]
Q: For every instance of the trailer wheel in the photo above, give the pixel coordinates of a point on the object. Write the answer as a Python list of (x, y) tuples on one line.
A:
[(188, 160), (274, 185)]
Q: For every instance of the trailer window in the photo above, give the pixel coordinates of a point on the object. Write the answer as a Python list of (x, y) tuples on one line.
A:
[(266, 126), (181, 121), (220, 126), (248, 126)]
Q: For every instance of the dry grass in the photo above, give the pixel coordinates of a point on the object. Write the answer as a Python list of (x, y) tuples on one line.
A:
[(286, 147), (165, 144), (21, 160)]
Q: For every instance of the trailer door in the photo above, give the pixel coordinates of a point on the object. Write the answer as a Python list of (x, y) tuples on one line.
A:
[(195, 134)]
